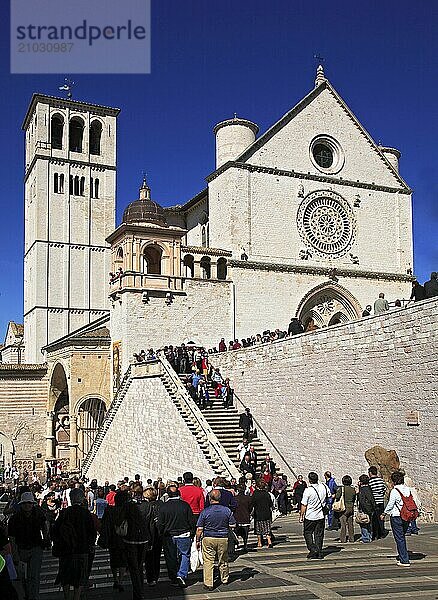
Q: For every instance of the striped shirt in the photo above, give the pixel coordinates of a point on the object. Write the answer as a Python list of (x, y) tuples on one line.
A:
[(378, 487)]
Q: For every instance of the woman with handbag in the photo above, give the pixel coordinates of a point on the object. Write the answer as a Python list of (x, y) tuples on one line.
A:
[(343, 507), (367, 507)]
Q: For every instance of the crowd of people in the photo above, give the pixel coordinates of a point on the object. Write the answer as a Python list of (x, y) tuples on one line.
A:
[(190, 523)]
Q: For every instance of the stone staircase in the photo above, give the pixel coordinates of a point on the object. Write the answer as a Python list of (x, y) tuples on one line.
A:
[(225, 424), (197, 422), (206, 439)]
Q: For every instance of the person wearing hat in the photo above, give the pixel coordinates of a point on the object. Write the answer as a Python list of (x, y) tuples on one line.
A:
[(28, 533)]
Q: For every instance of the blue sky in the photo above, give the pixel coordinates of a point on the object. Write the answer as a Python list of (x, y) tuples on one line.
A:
[(213, 58)]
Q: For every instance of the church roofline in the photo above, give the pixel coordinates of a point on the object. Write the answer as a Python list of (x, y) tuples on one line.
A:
[(64, 103), (330, 179), (81, 334), (286, 118), (167, 231), (197, 199)]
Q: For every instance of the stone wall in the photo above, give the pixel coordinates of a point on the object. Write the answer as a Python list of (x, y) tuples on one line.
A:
[(148, 436), (267, 299), (23, 407), (204, 308), (325, 397)]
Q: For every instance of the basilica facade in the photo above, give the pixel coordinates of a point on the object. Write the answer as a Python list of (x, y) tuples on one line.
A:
[(309, 219)]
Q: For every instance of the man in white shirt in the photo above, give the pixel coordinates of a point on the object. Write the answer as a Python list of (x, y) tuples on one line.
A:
[(398, 526), (312, 514)]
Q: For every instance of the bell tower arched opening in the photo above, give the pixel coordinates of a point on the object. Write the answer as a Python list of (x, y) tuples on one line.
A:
[(152, 260)]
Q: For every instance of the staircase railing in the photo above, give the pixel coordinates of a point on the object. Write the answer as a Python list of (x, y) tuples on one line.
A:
[(267, 436), (109, 417), (216, 448)]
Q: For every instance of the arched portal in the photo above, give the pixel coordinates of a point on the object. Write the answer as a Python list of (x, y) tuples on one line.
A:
[(59, 402), (328, 304), (222, 268), (152, 260), (189, 265), (91, 414), (7, 451), (205, 265)]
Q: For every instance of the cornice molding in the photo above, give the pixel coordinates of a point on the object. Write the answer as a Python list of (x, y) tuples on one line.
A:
[(74, 163), (206, 251), (315, 270), (297, 175)]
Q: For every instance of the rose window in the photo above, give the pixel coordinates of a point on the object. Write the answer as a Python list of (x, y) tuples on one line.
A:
[(326, 223)]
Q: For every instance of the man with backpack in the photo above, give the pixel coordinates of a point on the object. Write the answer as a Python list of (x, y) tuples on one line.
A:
[(401, 509)]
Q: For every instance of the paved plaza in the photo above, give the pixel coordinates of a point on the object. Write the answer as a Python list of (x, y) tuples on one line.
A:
[(348, 571)]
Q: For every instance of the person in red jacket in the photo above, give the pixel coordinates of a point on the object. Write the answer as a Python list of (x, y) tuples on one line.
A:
[(110, 497), (193, 495)]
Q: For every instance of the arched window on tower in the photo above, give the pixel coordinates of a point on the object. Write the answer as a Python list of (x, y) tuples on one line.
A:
[(76, 186), (56, 132), (204, 235), (152, 260), (58, 183), (205, 265), (82, 186), (95, 136), (189, 265), (96, 188), (76, 134), (222, 268)]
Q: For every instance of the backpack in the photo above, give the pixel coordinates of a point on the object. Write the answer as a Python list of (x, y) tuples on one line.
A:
[(409, 511)]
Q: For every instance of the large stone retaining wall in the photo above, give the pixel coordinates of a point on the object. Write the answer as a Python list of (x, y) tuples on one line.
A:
[(148, 436), (326, 397)]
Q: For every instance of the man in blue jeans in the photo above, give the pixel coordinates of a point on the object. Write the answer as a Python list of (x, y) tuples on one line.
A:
[(175, 524), (398, 526)]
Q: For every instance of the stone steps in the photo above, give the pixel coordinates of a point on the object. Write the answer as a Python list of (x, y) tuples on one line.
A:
[(225, 424)]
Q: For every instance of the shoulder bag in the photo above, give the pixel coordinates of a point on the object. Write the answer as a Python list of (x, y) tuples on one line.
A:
[(339, 505)]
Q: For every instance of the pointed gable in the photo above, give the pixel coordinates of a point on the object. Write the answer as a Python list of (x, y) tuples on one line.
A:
[(14, 333), (287, 144)]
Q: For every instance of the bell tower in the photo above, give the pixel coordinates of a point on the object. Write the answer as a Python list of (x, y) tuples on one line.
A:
[(70, 183)]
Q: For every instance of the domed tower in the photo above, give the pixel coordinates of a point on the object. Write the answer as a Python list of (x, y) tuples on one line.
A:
[(144, 244), (232, 138)]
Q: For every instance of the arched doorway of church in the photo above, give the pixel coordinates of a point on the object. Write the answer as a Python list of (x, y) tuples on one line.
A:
[(91, 414), (6, 451), (59, 400), (328, 304), (152, 260)]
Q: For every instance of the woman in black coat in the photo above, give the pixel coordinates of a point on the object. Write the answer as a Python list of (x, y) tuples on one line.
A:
[(367, 505), (153, 551), (261, 504)]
